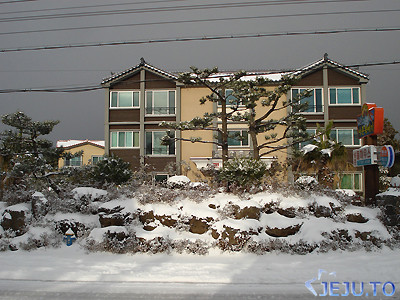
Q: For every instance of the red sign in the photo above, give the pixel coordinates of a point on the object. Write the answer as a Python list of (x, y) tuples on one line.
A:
[(371, 120)]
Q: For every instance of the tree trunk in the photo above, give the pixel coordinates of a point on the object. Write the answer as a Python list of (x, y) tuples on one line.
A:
[(253, 136), (224, 133)]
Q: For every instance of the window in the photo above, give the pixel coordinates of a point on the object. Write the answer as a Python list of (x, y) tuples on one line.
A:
[(160, 102), (73, 162), (344, 96), (239, 138), (124, 99), (124, 139), (348, 137), (311, 132), (230, 99), (161, 178), (351, 181), (154, 143), (96, 159), (314, 101)]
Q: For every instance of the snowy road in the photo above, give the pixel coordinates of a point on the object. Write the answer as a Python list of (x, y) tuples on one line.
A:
[(128, 290), (70, 273)]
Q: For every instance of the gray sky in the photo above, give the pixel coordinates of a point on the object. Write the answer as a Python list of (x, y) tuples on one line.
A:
[(82, 114)]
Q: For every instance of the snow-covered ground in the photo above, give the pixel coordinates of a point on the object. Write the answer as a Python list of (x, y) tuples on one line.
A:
[(61, 272), (71, 269)]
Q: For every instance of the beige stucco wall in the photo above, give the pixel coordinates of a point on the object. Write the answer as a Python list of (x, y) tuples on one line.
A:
[(276, 115), (88, 151), (191, 108)]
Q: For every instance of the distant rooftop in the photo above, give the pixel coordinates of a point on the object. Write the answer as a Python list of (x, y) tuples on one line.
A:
[(75, 143)]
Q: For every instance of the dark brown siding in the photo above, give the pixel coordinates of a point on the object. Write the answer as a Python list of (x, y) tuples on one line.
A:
[(129, 155), (155, 127), (124, 115), (336, 78), (344, 112), (157, 82), (125, 127), (314, 117), (159, 119), (313, 79), (159, 163), (131, 83), (345, 124)]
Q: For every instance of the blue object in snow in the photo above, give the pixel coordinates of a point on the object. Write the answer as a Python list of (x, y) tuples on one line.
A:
[(69, 237)]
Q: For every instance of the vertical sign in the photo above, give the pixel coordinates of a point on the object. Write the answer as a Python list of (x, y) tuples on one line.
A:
[(371, 120)]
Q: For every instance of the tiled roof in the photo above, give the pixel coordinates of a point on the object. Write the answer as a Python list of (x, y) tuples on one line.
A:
[(324, 60), (143, 64), (251, 75)]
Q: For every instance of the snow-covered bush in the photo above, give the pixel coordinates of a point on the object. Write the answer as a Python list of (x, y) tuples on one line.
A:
[(306, 182), (178, 181), (243, 172), (186, 246)]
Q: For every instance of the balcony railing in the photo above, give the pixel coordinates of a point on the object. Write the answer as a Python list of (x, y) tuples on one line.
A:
[(160, 110), (233, 153)]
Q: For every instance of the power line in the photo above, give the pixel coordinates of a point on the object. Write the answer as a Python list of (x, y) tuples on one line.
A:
[(87, 6), (17, 1), (203, 38), (171, 8), (203, 20), (78, 89)]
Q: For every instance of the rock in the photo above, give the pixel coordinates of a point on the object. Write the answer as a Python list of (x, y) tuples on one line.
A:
[(15, 218), (166, 220), (356, 218), (40, 205), (146, 217), (199, 226), (288, 212), (115, 219), (283, 232), (322, 212), (248, 212)]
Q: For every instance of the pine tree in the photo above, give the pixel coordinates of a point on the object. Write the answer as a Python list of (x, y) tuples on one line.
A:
[(209, 121), (25, 153), (323, 157), (388, 137), (240, 105)]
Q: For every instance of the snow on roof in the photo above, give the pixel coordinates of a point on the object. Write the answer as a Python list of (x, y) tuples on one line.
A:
[(75, 143), (269, 75)]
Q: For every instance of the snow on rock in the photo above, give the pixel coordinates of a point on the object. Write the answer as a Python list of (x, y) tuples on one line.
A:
[(242, 225), (98, 234), (88, 191), (123, 205), (306, 180), (38, 195), (391, 192), (346, 192), (395, 181), (25, 207), (178, 181), (325, 201), (276, 220), (78, 217)]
